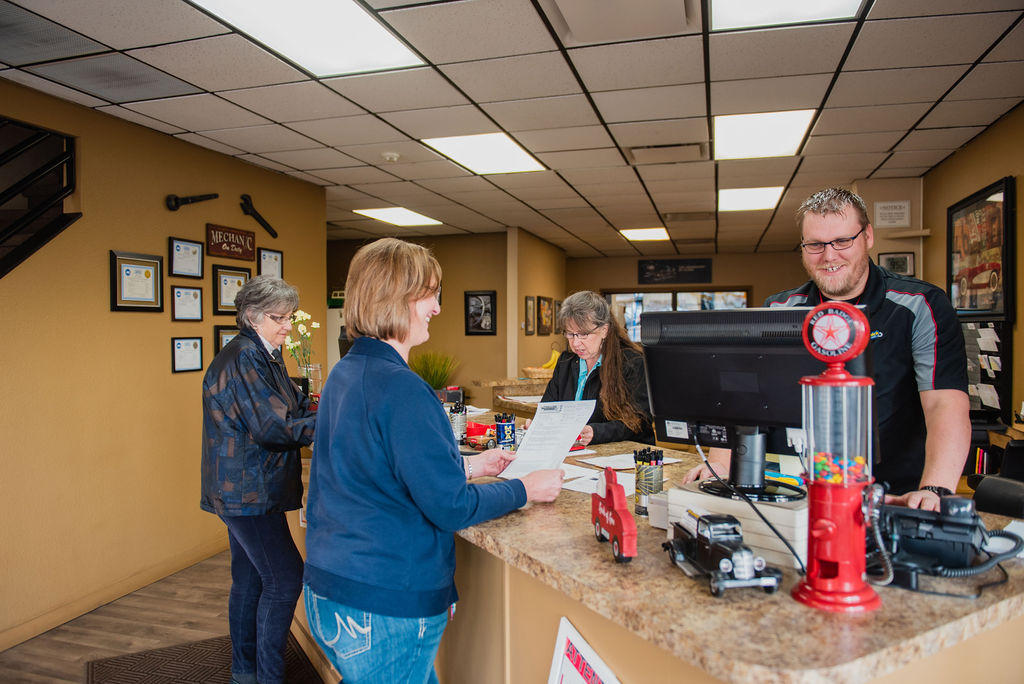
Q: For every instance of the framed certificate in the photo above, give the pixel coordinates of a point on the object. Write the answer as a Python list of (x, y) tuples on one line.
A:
[(227, 281), (269, 262), (136, 282), (184, 258), (186, 354), (186, 303), (222, 334)]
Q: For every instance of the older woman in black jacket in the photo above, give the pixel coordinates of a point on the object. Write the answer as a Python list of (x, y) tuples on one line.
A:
[(602, 363)]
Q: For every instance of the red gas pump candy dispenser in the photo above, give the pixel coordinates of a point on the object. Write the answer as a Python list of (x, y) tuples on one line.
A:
[(837, 423)]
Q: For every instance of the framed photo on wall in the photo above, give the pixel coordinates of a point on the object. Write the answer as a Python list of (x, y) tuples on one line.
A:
[(558, 307), (545, 315), (136, 282), (980, 271), (900, 263), (481, 312), (186, 354), (531, 315), (269, 262), (227, 281), (185, 258), (186, 303), (222, 334)]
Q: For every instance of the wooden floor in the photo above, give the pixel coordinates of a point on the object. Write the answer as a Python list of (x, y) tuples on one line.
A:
[(187, 606)]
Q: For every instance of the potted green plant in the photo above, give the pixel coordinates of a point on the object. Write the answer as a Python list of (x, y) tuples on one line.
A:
[(436, 368)]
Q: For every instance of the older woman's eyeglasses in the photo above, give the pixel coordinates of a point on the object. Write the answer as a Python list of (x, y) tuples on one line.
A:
[(580, 336), (838, 243), (280, 319)]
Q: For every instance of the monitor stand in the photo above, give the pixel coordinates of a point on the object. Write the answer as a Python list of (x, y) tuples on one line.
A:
[(746, 471)]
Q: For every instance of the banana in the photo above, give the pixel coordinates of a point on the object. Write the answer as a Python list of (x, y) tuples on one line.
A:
[(553, 360)]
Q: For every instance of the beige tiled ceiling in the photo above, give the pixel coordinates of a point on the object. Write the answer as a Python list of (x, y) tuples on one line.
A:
[(591, 94)]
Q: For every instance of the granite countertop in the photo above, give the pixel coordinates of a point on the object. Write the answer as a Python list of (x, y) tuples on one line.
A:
[(746, 635)]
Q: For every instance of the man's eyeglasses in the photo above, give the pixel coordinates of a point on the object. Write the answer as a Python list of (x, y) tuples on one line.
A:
[(280, 319), (580, 336), (838, 243)]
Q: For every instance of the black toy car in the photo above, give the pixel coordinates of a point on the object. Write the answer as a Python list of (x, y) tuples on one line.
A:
[(712, 545)]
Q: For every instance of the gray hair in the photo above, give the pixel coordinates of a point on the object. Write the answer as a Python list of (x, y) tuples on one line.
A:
[(832, 201), (262, 294), (585, 309)]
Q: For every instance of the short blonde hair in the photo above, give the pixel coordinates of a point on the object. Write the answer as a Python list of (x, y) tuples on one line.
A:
[(383, 278)]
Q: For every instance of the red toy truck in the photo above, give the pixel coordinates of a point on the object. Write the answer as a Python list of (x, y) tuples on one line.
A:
[(609, 511), (481, 435)]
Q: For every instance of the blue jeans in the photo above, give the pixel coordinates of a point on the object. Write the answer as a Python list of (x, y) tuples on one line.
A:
[(367, 648), (266, 580)]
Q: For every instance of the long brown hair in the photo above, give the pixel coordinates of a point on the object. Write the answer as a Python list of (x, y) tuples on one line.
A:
[(589, 310)]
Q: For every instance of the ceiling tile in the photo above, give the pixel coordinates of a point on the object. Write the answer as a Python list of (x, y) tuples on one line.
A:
[(308, 160), (557, 139), (430, 169), (396, 190), (55, 89), (391, 91), (938, 138), (197, 112), (265, 163), (685, 201), (926, 41), (774, 171), (472, 29), (293, 101), (851, 142), (868, 119), (26, 38), (854, 160), (884, 9), (140, 119), (524, 180), (735, 220), (407, 151), (1010, 48), (514, 78), (824, 179), (356, 174), (214, 145), (998, 79), (308, 177), (893, 86), (906, 160), (266, 138), (769, 94), (557, 202), (616, 174), (887, 172), (668, 61), (124, 24), (665, 132), (704, 170), (659, 187), (220, 63), (441, 122), (114, 77), (547, 112), (348, 130), (778, 52), (463, 184), (341, 192), (645, 104), (968, 112)]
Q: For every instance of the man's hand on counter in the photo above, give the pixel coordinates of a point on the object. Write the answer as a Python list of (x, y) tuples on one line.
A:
[(543, 485), (490, 462)]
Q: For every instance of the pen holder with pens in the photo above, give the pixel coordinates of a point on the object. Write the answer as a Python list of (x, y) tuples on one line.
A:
[(650, 476)]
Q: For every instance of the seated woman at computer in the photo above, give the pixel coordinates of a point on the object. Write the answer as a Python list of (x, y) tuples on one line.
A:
[(601, 363)]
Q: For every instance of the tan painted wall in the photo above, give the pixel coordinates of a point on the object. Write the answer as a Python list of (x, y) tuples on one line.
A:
[(473, 262), (100, 446), (996, 153), (765, 274), (541, 272)]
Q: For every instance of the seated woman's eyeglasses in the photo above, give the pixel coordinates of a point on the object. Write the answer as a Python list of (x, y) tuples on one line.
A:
[(280, 319), (838, 243), (579, 336)]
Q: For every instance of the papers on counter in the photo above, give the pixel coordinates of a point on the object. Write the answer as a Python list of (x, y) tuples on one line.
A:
[(553, 431), (475, 410), (530, 399), (588, 485), (573, 471), (619, 461)]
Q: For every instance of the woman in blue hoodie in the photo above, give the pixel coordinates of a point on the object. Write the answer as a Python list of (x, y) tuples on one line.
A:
[(388, 487)]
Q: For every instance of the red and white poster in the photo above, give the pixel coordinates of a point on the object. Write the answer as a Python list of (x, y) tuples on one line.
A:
[(575, 662)]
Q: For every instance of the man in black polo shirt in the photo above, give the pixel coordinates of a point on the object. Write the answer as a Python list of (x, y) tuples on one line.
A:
[(920, 366)]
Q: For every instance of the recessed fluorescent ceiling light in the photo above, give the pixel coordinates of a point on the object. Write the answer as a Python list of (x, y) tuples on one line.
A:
[(324, 37), (398, 216), (734, 14), (748, 199), (485, 153), (642, 234), (771, 134)]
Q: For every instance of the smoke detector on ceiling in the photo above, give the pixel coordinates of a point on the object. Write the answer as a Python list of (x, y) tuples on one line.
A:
[(390, 157)]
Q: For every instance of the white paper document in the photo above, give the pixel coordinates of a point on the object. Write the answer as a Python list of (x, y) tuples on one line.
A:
[(588, 485), (573, 471), (554, 429), (619, 461), (988, 394)]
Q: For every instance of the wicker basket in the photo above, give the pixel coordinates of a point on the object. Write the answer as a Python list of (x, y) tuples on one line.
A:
[(537, 372)]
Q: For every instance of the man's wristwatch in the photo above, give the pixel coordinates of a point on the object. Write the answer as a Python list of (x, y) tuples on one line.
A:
[(936, 490)]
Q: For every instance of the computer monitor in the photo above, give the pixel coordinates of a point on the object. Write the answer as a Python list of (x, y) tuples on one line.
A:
[(730, 378)]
